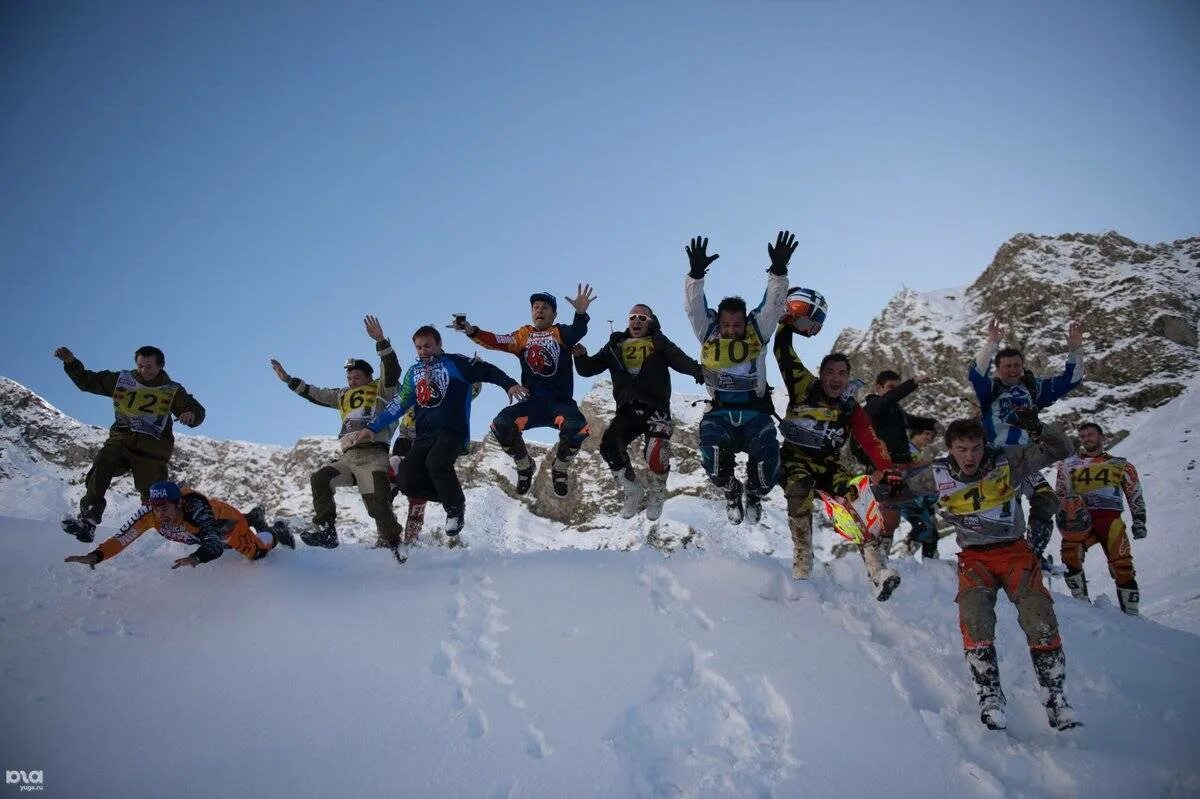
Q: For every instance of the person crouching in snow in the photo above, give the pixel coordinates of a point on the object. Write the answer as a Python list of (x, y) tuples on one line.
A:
[(189, 517)]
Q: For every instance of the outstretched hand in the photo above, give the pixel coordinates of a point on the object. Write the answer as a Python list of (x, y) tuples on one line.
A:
[(64, 355), (188, 418), (698, 258), (517, 393), (374, 329), (279, 371), (88, 560), (1075, 335), (582, 299), (190, 560), (781, 252), (994, 332)]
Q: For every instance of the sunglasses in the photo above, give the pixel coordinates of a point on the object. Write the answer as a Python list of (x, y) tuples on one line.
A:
[(638, 317)]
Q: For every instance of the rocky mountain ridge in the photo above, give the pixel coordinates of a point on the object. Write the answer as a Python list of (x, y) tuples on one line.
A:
[(1140, 304)]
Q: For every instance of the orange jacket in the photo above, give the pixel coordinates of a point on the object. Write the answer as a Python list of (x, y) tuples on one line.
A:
[(204, 522)]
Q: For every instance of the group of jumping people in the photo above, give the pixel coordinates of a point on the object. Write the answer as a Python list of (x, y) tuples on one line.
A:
[(993, 460)]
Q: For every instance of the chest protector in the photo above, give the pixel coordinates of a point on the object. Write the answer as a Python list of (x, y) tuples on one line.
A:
[(986, 506), (1098, 480), (357, 407), (143, 409), (816, 428), (731, 364)]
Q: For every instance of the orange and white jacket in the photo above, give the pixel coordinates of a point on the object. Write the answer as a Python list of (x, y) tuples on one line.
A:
[(204, 522)]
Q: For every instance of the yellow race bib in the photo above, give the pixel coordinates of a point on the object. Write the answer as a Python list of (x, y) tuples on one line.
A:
[(720, 354), (143, 400), (992, 492), (353, 401), (635, 351), (1095, 476)]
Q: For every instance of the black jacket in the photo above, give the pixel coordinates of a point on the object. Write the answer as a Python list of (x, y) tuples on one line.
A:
[(890, 421), (651, 386)]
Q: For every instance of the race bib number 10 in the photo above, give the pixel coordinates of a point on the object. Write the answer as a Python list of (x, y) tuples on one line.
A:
[(727, 353)]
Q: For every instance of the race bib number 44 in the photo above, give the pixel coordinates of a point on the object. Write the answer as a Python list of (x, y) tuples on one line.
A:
[(1094, 477)]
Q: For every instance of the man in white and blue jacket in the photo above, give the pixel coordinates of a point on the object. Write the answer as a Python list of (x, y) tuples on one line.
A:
[(1015, 387)]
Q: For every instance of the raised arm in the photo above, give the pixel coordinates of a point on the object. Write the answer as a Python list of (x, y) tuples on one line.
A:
[(102, 383), (389, 364), (573, 333), (774, 302), (1050, 390), (694, 302), (979, 370), (796, 377), (325, 397)]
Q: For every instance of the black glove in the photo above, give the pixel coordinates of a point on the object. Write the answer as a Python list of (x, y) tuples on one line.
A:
[(781, 252), (1026, 418), (1039, 534), (891, 481), (698, 259), (1139, 529)]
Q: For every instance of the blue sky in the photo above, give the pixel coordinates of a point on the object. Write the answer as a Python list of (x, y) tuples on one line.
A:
[(239, 181)]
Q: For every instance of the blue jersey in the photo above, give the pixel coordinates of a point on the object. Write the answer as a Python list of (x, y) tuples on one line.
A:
[(439, 393)]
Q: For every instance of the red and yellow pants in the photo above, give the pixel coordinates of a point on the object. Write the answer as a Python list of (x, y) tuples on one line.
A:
[(1107, 530)]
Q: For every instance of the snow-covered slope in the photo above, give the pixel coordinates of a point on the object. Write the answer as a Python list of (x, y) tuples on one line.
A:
[(482, 673), (1165, 449), (44, 455)]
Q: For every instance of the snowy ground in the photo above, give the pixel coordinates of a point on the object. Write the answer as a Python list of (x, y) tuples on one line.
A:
[(553, 673), (545, 661)]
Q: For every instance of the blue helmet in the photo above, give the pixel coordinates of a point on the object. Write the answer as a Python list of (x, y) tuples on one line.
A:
[(164, 492)]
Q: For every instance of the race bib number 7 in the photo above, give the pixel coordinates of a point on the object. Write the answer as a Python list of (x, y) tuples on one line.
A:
[(994, 491)]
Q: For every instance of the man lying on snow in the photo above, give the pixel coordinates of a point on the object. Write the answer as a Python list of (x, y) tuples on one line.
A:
[(189, 517)]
